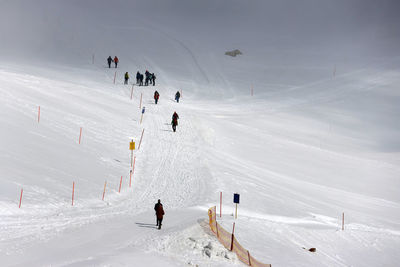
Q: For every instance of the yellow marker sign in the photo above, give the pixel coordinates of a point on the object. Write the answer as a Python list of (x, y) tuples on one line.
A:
[(132, 146)]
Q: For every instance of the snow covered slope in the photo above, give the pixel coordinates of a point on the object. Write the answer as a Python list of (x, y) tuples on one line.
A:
[(319, 136)]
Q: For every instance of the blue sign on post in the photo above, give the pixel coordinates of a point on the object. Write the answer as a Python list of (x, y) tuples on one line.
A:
[(143, 110), (236, 198)]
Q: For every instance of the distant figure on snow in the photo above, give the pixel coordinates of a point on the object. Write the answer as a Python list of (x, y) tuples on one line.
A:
[(126, 78), (159, 213), (137, 77), (141, 80), (177, 96), (174, 121), (153, 79), (156, 96), (109, 60), (116, 60)]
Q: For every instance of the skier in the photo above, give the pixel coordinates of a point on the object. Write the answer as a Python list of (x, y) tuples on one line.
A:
[(126, 78), (137, 77), (153, 78), (174, 121), (177, 96), (109, 60), (156, 96), (159, 213), (116, 60), (141, 80)]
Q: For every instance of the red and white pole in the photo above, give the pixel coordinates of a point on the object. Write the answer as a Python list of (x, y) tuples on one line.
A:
[(20, 198), (141, 137), (80, 135), (120, 184), (73, 192), (132, 172)]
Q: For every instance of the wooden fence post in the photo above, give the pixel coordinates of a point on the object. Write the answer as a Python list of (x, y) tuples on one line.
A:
[(248, 255), (115, 75), (233, 236), (132, 171), (80, 135), (132, 92), (104, 191)]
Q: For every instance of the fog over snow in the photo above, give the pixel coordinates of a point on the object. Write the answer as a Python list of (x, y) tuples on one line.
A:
[(318, 137)]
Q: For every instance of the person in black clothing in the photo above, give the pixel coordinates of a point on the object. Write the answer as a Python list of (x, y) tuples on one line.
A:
[(141, 80), (174, 121), (146, 82), (177, 96), (109, 60), (159, 213), (137, 77), (153, 78)]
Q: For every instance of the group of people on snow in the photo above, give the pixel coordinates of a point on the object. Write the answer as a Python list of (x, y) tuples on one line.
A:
[(150, 78), (110, 60)]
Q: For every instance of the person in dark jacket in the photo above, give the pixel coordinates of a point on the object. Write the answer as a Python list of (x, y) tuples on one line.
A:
[(156, 96), (153, 79), (174, 121), (141, 80), (177, 96), (109, 60), (126, 78), (159, 213), (137, 77), (116, 60)]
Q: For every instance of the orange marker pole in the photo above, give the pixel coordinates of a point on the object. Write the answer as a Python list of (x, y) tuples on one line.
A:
[(104, 191), (343, 221), (115, 75), (20, 198), (133, 171), (73, 192), (220, 204), (141, 95), (80, 135), (132, 92), (141, 139), (120, 184), (38, 119)]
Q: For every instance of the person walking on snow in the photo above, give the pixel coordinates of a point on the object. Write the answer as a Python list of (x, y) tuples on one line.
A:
[(159, 213), (109, 60), (126, 78), (116, 60), (174, 121), (156, 96), (153, 79), (177, 96), (137, 77)]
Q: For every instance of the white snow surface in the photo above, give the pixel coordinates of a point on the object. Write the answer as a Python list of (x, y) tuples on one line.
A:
[(319, 137)]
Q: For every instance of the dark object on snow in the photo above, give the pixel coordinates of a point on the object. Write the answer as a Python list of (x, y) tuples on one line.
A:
[(137, 77), (159, 213), (233, 53), (177, 96), (126, 78), (153, 79), (174, 121), (156, 96), (311, 249), (109, 60)]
